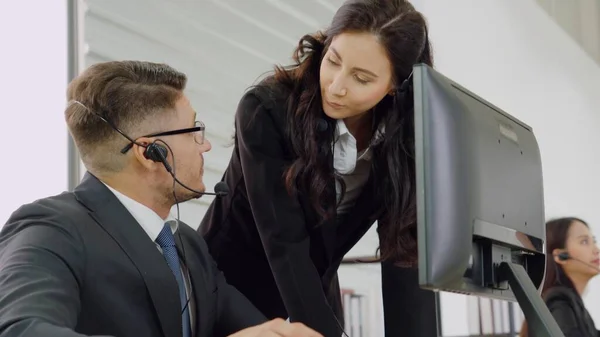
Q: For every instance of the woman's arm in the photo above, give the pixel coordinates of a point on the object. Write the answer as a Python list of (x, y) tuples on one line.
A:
[(279, 217)]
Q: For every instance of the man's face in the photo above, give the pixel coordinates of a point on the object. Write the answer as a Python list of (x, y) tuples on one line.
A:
[(186, 152)]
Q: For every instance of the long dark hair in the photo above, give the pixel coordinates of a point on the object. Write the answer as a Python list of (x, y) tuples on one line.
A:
[(403, 32), (557, 232)]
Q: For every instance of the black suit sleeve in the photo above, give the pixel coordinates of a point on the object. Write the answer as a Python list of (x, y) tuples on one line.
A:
[(279, 218), (40, 267), (564, 314)]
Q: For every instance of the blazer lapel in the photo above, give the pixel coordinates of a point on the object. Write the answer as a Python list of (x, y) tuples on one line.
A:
[(114, 218), (329, 228), (360, 218), (199, 287)]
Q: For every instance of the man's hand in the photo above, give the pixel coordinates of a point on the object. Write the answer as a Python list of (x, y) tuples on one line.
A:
[(278, 328)]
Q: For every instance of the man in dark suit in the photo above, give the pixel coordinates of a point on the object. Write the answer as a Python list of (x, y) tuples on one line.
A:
[(109, 259)]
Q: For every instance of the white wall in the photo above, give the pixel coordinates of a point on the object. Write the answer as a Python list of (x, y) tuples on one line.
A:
[(515, 56), (32, 91)]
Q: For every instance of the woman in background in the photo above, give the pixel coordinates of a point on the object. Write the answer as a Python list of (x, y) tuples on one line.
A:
[(572, 259), (323, 149)]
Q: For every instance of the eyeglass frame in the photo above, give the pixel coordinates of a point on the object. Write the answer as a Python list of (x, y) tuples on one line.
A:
[(199, 127)]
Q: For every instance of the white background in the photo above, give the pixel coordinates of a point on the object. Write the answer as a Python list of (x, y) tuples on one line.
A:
[(33, 39)]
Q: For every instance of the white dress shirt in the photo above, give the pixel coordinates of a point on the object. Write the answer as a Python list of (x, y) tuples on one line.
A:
[(353, 166), (153, 224)]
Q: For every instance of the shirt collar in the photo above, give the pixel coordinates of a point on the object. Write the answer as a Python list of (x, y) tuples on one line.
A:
[(342, 130), (151, 222)]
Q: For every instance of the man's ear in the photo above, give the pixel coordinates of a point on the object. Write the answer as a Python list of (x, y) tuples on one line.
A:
[(140, 157)]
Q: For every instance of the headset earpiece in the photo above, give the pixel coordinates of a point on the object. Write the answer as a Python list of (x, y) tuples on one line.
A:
[(564, 256), (157, 153)]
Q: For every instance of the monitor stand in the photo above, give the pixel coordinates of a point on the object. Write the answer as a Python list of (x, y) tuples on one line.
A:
[(539, 320)]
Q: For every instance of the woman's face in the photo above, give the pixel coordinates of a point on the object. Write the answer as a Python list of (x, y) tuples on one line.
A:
[(355, 75), (584, 253)]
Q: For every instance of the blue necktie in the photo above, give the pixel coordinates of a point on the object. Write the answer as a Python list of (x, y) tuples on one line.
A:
[(166, 241)]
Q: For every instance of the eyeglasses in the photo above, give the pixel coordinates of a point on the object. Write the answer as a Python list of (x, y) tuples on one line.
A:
[(197, 130)]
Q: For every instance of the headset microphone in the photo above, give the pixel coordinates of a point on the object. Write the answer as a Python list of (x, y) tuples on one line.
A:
[(564, 256), (322, 125), (158, 153), (221, 189)]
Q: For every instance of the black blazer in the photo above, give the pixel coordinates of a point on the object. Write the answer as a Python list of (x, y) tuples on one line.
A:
[(570, 313), (78, 263), (266, 242)]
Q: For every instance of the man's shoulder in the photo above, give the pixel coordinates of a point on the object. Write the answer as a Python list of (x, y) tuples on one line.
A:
[(56, 204), (54, 209)]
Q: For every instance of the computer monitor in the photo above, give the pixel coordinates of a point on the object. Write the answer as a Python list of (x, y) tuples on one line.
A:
[(480, 199)]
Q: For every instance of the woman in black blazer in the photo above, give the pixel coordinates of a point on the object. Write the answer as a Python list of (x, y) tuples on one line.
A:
[(572, 260), (323, 149)]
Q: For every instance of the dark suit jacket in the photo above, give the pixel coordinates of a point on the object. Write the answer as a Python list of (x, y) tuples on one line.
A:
[(78, 264), (266, 242), (570, 313)]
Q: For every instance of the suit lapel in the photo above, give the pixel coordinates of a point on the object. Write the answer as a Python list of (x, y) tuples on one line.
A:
[(199, 287), (114, 218)]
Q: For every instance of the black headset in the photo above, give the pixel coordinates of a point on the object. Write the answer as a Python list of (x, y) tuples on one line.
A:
[(564, 256), (158, 153)]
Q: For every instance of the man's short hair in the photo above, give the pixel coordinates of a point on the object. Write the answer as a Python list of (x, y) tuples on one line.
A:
[(129, 94)]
